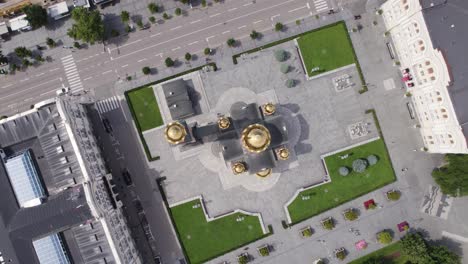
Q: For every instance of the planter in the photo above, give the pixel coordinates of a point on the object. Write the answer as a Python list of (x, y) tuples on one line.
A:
[(243, 258), (328, 223), (350, 214), (384, 237), (393, 195), (306, 232), (264, 250), (370, 204), (340, 253)]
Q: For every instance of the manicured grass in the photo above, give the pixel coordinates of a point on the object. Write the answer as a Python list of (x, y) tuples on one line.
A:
[(145, 108), (344, 188), (329, 48), (390, 254), (204, 240)]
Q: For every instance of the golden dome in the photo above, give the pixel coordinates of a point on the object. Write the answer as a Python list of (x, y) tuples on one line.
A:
[(238, 168), (224, 122), (264, 173), (283, 153), (256, 138), (175, 133), (269, 108)]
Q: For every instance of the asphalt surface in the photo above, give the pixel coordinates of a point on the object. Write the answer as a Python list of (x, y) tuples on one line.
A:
[(101, 66), (121, 150)]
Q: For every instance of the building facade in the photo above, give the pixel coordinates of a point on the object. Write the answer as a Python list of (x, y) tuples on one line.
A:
[(425, 41)]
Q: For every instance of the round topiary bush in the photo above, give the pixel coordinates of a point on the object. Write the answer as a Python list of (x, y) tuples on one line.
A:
[(359, 165), (343, 171), (290, 83), (372, 160), (284, 68), (281, 55), (384, 237)]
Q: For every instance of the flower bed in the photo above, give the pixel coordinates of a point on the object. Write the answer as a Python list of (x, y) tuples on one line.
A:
[(328, 223), (306, 232), (264, 250)]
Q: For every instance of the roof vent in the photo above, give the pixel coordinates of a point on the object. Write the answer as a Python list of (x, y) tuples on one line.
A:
[(452, 26)]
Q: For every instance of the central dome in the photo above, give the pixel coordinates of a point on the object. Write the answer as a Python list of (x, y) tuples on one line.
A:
[(175, 133), (256, 138)]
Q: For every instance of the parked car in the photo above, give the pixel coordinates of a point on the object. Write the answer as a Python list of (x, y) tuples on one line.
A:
[(107, 125), (126, 177)]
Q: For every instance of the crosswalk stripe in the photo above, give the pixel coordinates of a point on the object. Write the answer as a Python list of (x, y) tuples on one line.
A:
[(107, 104), (72, 74)]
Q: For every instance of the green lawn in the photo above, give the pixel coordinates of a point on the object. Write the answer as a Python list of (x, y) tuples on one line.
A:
[(344, 188), (390, 254), (204, 240), (145, 108), (328, 48)]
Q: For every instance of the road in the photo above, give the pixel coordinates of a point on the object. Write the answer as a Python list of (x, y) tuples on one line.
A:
[(101, 66)]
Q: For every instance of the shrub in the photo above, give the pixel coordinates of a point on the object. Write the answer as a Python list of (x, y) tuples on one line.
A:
[(328, 223), (372, 160), (380, 12), (152, 19), (359, 165), (384, 237), (23, 52), (166, 16), (125, 16), (231, 42), (254, 34), (114, 33), (350, 215), (153, 8), (188, 56), (178, 11), (281, 55), (393, 195), (169, 62), (340, 254), (140, 23), (306, 232), (298, 22), (242, 259), (207, 51), (343, 171), (146, 70), (77, 45), (203, 3), (290, 83), (264, 251), (371, 206), (50, 42), (279, 26), (129, 78)]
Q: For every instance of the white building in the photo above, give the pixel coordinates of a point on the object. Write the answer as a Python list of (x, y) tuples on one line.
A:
[(430, 38), (19, 23)]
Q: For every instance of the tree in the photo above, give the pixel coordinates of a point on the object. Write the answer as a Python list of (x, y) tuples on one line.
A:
[(77, 44), (254, 35), (125, 16), (36, 15), (207, 51), (188, 56), (128, 28), (350, 215), (22, 52), (231, 42), (178, 11), (359, 165), (372, 160), (114, 33), (284, 68), (184, 1), (453, 177), (441, 254), (152, 19), (146, 70), (166, 16), (153, 8), (298, 22), (140, 24), (384, 237), (169, 62), (281, 55), (50, 42), (279, 26), (374, 260), (203, 3), (343, 171), (415, 248), (88, 25)]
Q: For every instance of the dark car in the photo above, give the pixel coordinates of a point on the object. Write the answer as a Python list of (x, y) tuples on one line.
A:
[(126, 177), (157, 260), (107, 125), (138, 206), (357, 17)]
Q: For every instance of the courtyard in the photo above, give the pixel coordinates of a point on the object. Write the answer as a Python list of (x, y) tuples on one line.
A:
[(145, 108)]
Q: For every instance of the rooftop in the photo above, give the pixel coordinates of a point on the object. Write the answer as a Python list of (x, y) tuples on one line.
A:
[(446, 22)]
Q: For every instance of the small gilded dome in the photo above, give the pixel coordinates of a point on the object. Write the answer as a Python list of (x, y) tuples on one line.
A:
[(223, 122), (175, 133), (283, 153), (256, 138), (238, 168), (269, 108), (264, 172)]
